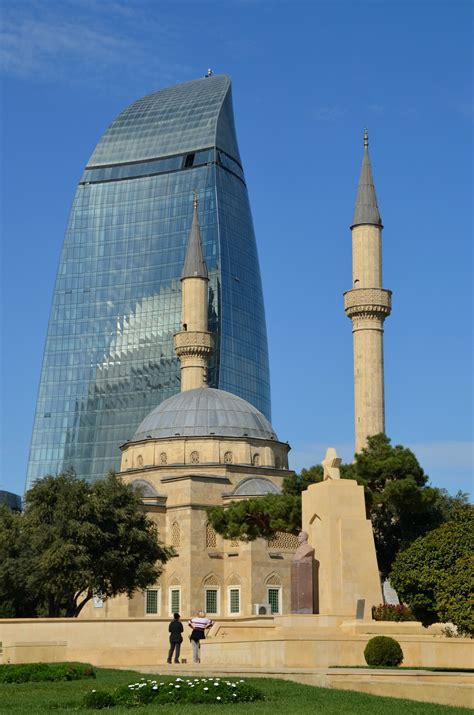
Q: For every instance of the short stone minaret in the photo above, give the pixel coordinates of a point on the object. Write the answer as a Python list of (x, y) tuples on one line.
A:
[(194, 343), (367, 305)]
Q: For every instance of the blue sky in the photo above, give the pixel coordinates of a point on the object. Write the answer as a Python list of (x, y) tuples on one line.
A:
[(307, 78)]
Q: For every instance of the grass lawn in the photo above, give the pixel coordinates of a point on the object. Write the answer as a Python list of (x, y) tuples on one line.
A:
[(281, 697)]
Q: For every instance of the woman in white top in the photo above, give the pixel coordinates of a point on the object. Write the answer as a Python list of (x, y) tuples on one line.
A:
[(199, 625)]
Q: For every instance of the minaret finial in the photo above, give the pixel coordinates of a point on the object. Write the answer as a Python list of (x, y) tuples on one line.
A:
[(195, 201), (366, 138)]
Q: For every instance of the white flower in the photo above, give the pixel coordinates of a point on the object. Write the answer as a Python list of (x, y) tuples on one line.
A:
[(130, 686), (155, 687), (94, 691), (216, 684), (241, 681), (234, 695), (218, 697), (206, 688), (233, 685), (177, 686)]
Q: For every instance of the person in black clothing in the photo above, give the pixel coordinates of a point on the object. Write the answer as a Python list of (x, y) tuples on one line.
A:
[(175, 628)]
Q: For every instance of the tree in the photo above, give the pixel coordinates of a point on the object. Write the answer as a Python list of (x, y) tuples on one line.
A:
[(434, 575), (85, 539), (399, 503), (15, 558), (248, 519)]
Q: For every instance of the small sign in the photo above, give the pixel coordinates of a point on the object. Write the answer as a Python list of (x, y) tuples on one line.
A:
[(360, 609), (98, 602)]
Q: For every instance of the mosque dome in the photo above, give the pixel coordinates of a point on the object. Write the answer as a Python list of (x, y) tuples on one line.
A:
[(202, 412)]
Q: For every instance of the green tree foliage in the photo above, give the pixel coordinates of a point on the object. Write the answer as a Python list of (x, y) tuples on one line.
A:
[(263, 516), (399, 502), (435, 574), (81, 539), (15, 561)]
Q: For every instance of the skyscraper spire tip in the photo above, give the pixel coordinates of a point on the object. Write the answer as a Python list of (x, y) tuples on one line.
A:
[(366, 138), (195, 200)]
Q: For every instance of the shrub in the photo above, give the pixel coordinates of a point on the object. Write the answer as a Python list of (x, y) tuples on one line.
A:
[(382, 650), (181, 690), (44, 672), (454, 596), (99, 699), (429, 578), (391, 612)]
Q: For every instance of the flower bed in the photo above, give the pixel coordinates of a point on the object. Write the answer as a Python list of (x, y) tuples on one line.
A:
[(181, 690), (391, 612)]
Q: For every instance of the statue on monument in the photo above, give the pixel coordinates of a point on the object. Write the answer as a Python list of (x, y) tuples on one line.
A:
[(305, 551), (331, 464), (302, 576)]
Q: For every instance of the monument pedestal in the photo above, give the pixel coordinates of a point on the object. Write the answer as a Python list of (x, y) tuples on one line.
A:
[(302, 587), (334, 518)]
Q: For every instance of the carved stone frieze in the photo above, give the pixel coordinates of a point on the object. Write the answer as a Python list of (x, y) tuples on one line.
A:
[(368, 303), (193, 342), (193, 337)]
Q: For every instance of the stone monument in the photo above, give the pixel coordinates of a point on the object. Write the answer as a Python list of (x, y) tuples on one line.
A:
[(334, 516), (302, 582)]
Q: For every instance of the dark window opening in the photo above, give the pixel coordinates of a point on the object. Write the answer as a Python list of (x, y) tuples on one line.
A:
[(188, 160)]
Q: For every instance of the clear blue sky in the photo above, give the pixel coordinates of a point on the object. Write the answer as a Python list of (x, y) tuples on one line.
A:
[(307, 78)]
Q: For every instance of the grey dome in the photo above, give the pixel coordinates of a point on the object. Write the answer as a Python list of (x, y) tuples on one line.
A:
[(202, 412)]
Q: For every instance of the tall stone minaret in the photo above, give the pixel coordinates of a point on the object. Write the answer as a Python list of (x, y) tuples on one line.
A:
[(194, 343), (367, 305)]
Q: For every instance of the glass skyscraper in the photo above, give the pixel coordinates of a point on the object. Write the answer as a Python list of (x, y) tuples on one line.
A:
[(109, 357)]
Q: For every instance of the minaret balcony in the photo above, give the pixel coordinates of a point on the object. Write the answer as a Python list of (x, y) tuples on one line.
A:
[(192, 342), (376, 301)]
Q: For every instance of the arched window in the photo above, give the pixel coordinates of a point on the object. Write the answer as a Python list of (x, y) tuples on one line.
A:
[(194, 457), (228, 458), (211, 537), (175, 535), (233, 595), (256, 460), (174, 598), (212, 595), (274, 592), (139, 461)]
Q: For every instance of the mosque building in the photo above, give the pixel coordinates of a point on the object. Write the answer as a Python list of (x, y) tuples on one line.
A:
[(200, 448)]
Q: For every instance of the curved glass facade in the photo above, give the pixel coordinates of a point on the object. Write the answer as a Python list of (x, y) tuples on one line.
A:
[(109, 358)]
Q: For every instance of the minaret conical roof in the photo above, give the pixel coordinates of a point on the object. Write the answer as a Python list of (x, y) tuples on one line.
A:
[(366, 209), (194, 263)]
